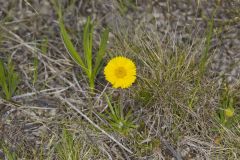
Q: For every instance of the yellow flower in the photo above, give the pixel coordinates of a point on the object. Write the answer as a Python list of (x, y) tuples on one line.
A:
[(229, 112), (120, 72)]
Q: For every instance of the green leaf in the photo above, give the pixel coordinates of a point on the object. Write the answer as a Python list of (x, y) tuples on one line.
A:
[(8, 79), (14, 84), (113, 114), (87, 45), (69, 46), (3, 80), (101, 52)]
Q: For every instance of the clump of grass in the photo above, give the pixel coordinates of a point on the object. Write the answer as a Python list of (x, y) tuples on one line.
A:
[(124, 5), (44, 49), (9, 155), (227, 109), (9, 79), (74, 146), (178, 97), (118, 120), (68, 147), (90, 68), (228, 118)]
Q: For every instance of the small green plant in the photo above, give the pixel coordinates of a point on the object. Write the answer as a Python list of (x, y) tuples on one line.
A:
[(9, 155), (9, 79), (90, 68), (124, 5), (226, 113), (68, 148), (144, 145), (117, 119)]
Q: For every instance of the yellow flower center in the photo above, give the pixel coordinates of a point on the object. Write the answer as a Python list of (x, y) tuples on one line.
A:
[(120, 72)]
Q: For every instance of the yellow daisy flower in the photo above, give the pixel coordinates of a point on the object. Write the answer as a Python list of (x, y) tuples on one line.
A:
[(120, 72)]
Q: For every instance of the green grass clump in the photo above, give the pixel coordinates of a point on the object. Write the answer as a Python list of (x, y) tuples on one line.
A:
[(68, 147), (9, 79), (228, 118), (9, 155), (118, 120), (176, 91), (227, 114), (74, 146), (124, 5)]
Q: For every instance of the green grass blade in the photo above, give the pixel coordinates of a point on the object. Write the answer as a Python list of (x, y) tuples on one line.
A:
[(91, 27), (15, 83), (101, 52), (113, 114), (85, 39), (9, 155), (87, 44), (12, 79), (69, 46), (68, 43), (205, 56), (3, 80), (44, 46)]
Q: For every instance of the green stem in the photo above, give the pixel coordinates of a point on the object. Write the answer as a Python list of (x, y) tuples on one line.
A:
[(91, 84)]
